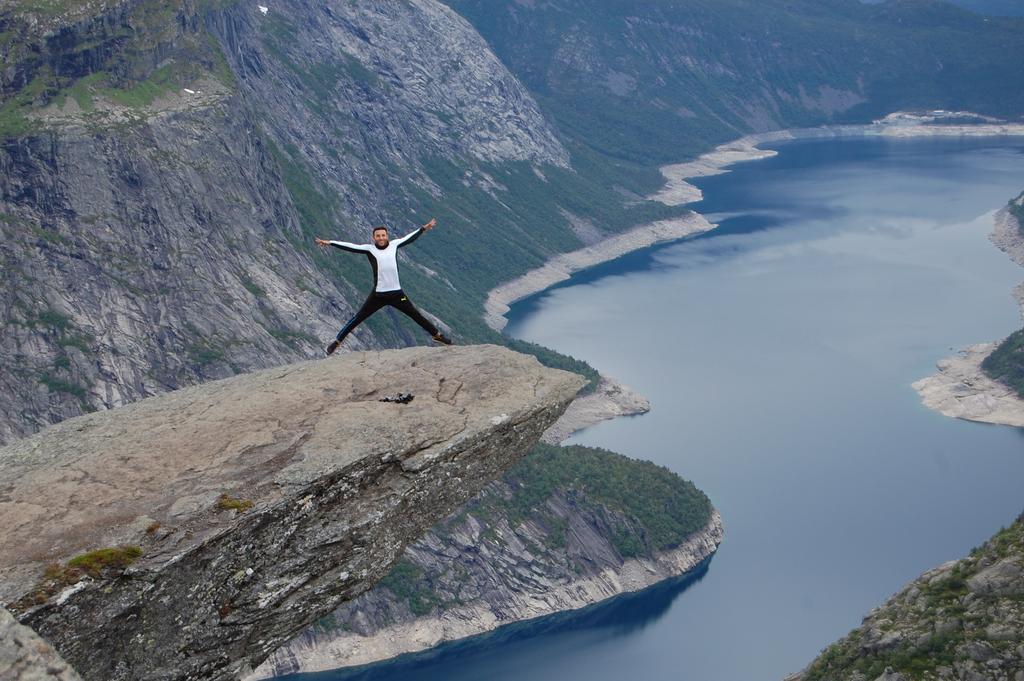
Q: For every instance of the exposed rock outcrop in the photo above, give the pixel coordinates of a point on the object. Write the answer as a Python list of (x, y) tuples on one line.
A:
[(609, 400), (258, 503), (962, 390), (1006, 232)]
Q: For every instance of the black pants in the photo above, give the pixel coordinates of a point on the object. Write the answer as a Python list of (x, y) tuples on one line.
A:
[(396, 299)]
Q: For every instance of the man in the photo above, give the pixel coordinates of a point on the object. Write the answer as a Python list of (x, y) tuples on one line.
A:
[(387, 290)]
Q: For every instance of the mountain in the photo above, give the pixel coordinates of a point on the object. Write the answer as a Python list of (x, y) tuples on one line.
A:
[(654, 81), (1006, 362), (167, 165)]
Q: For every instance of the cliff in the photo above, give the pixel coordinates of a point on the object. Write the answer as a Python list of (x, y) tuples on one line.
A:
[(187, 536), (164, 168), (963, 620), (566, 527)]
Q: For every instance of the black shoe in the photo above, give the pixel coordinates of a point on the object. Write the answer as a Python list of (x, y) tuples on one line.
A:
[(332, 347), (441, 338)]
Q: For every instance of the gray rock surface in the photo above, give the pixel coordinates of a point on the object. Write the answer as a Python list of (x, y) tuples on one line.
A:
[(1003, 578), (339, 483), (26, 657), (961, 389)]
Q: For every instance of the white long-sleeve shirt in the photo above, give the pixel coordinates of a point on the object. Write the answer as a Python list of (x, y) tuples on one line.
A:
[(384, 261)]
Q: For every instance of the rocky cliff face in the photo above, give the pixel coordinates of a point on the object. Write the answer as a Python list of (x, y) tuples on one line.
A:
[(964, 620), (212, 524), (546, 538), (166, 165)]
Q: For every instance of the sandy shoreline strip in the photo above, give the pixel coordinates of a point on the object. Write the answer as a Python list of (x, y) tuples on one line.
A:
[(561, 267), (677, 191)]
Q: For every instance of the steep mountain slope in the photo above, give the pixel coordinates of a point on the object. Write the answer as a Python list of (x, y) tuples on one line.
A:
[(165, 167), (1005, 364), (654, 81)]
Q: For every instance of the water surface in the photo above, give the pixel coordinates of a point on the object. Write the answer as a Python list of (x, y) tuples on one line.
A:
[(778, 353)]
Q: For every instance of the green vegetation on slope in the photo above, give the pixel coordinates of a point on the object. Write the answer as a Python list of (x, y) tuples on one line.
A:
[(97, 564), (1006, 363), (660, 510), (405, 580), (667, 507)]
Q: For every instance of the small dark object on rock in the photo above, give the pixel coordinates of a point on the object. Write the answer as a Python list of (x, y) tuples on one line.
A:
[(400, 398)]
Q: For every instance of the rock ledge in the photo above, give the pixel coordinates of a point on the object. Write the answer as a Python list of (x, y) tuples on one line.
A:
[(340, 482)]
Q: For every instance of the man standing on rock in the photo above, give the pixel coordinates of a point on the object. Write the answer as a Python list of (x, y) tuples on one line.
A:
[(387, 290)]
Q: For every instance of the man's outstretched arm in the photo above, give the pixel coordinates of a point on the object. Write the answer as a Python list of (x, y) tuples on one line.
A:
[(343, 245), (409, 238)]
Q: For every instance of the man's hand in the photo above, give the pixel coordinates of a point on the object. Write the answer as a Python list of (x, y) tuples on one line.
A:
[(320, 242), (430, 225)]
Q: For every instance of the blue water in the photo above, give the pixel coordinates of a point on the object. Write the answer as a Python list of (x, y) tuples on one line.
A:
[(778, 352)]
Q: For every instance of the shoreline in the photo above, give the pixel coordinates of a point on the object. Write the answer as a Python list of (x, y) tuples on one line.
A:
[(677, 191), (961, 389), (612, 399), (563, 266), (352, 650)]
